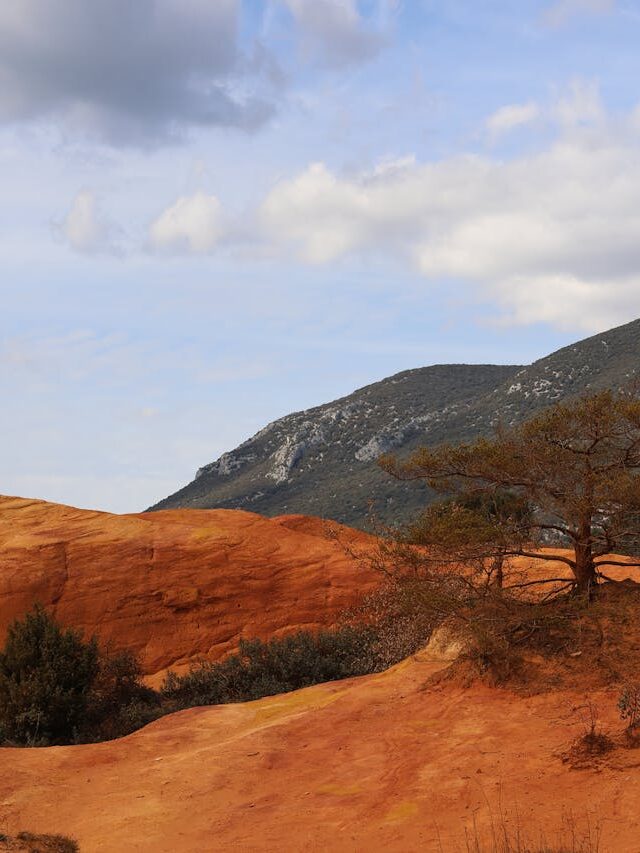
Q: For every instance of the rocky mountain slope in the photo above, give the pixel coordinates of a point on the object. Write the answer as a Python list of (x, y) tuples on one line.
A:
[(322, 461), (173, 586)]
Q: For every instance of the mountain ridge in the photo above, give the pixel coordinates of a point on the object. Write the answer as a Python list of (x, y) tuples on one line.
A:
[(321, 461)]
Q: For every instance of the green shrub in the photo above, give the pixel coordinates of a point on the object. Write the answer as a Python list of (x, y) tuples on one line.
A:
[(119, 702), (57, 688), (277, 666), (46, 674)]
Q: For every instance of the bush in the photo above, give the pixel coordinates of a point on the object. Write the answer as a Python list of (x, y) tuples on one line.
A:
[(56, 688), (399, 623), (46, 675), (119, 703), (277, 666)]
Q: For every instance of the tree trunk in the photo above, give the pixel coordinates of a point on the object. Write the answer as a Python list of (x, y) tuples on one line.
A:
[(585, 570), (497, 572)]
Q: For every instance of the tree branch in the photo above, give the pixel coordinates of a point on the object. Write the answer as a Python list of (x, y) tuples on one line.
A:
[(565, 581), (533, 555)]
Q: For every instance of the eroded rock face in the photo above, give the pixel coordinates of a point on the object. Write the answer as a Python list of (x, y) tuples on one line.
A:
[(177, 585)]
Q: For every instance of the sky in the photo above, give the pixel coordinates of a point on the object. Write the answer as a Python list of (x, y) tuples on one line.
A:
[(217, 212)]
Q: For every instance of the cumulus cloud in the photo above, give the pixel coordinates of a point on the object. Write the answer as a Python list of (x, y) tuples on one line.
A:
[(192, 224), (85, 228), (511, 117), (129, 72), (563, 10), (335, 33), (551, 237)]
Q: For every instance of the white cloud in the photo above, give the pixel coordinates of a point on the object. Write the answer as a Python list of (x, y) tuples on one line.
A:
[(85, 228), (580, 104), (563, 10), (551, 237), (510, 117), (335, 33), (192, 224)]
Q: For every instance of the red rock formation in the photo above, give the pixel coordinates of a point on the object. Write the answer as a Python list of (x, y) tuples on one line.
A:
[(388, 762), (174, 585)]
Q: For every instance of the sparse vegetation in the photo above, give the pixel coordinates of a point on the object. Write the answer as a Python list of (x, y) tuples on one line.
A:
[(277, 666), (629, 705), (400, 625), (57, 688), (28, 842), (501, 828), (590, 746), (506, 834)]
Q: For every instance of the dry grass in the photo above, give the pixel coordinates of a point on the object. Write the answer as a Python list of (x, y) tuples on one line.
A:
[(590, 747), (569, 643), (506, 833)]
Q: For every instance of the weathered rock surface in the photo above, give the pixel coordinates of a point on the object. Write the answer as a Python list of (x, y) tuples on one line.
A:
[(177, 585), (377, 763)]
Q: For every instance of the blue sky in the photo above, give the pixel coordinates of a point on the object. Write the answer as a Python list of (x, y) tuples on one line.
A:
[(217, 213)]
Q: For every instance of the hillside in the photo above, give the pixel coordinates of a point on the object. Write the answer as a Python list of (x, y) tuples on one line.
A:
[(399, 761), (322, 461), (385, 762), (172, 586)]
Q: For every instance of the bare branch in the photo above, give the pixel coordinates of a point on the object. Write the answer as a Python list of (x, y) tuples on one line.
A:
[(536, 555), (567, 582)]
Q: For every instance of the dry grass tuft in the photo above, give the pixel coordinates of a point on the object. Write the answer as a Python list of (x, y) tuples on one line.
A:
[(507, 834)]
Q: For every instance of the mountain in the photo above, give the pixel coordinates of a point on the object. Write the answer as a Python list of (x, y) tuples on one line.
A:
[(322, 461)]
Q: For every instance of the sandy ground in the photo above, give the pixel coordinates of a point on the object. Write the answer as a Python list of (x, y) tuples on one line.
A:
[(383, 762)]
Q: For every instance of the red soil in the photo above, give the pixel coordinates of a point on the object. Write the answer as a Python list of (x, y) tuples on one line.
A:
[(383, 762)]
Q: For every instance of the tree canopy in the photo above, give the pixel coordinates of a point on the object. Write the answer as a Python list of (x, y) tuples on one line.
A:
[(569, 475)]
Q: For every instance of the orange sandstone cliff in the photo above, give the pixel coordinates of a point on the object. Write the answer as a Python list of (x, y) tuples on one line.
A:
[(177, 585)]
